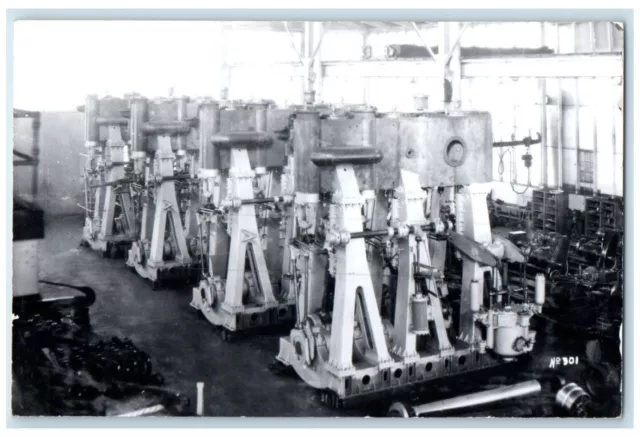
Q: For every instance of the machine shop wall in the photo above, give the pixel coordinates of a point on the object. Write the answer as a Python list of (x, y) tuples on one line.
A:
[(54, 77), (260, 65), (61, 162), (589, 132)]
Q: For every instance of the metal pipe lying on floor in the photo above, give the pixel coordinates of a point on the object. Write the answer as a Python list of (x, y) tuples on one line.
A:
[(399, 409)]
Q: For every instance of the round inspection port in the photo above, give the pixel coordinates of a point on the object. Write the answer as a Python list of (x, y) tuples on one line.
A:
[(429, 367), (455, 152), (462, 360), (366, 379), (409, 153), (397, 373), (282, 312), (253, 317)]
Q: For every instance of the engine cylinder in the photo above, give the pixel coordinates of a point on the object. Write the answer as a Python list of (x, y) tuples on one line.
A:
[(181, 104), (419, 314), (306, 140), (91, 113), (138, 116), (261, 126), (367, 118), (209, 124)]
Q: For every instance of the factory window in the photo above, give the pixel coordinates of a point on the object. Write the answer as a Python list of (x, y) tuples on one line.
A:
[(586, 166)]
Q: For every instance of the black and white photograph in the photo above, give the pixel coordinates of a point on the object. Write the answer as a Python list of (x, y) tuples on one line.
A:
[(317, 219)]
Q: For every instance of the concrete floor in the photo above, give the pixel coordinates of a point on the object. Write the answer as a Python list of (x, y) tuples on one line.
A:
[(186, 349)]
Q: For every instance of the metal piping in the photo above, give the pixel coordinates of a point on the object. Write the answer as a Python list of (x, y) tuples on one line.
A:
[(559, 175), (577, 120), (595, 153), (543, 117), (470, 400)]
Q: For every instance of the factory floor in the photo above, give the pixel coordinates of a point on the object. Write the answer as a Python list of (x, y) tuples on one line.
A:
[(187, 350)]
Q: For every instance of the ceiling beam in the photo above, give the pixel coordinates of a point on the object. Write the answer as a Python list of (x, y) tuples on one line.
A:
[(375, 25)]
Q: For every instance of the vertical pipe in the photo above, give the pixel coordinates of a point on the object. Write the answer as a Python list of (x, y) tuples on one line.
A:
[(318, 71), (200, 398), (35, 152), (209, 124), (261, 126), (91, 128), (181, 141), (443, 50), (456, 70), (225, 68), (543, 121), (309, 93), (614, 111), (306, 140), (138, 116), (559, 169), (595, 152), (577, 133)]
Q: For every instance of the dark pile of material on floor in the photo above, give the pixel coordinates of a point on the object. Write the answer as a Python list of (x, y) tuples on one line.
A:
[(72, 371)]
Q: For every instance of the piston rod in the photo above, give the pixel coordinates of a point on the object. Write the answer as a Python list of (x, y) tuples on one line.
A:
[(129, 181), (385, 232), (474, 399)]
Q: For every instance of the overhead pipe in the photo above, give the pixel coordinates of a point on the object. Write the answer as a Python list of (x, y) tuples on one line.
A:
[(307, 59), (309, 92)]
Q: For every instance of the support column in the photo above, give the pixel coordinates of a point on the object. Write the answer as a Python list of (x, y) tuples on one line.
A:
[(543, 144), (225, 68), (317, 61)]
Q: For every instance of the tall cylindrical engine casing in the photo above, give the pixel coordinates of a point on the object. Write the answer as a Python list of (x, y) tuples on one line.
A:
[(476, 296), (181, 108), (540, 289), (138, 116), (367, 119), (91, 113), (306, 140), (261, 126), (420, 315), (209, 124)]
